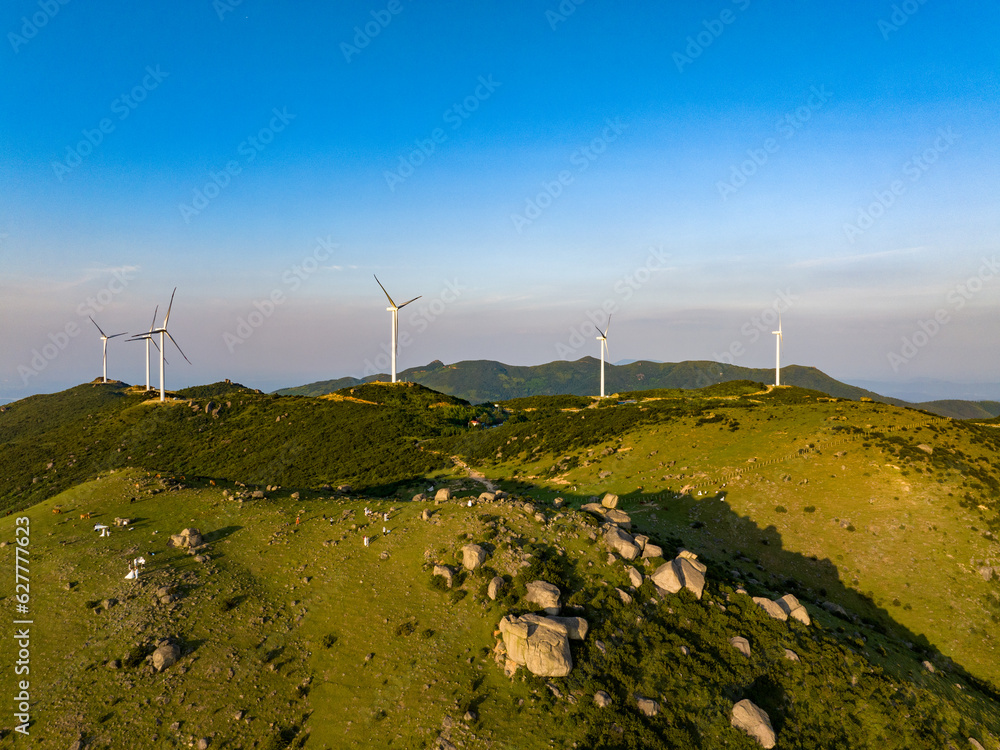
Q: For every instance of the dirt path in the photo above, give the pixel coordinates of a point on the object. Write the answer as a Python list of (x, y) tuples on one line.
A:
[(473, 474)]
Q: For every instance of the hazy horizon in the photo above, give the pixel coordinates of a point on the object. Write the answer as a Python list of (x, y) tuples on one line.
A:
[(694, 169)]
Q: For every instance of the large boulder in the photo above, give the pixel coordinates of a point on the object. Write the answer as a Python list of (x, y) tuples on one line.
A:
[(473, 556), (187, 539), (443, 495), (620, 518), (576, 627), (621, 542), (634, 576), (166, 656), (678, 574), (648, 706), (494, 588), (602, 699), (772, 608), (487, 497), (596, 508), (538, 643), (794, 608), (610, 500), (753, 720), (445, 572), (545, 595), (652, 550)]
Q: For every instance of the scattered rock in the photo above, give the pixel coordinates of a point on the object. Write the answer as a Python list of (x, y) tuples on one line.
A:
[(652, 550), (624, 596), (748, 718), (772, 608), (610, 501), (928, 666), (835, 609), (443, 495), (425, 515), (420, 497), (538, 643), (487, 497), (791, 655), (187, 539), (602, 699), (741, 644), (618, 517), (545, 595), (166, 656), (975, 744), (793, 608), (473, 556), (576, 627), (678, 574), (634, 576)]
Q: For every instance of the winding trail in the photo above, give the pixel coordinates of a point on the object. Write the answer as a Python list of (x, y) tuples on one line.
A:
[(473, 474)]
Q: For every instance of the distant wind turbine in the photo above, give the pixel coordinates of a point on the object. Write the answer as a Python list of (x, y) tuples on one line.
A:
[(163, 344), (394, 309), (104, 338), (777, 354), (603, 338), (148, 338)]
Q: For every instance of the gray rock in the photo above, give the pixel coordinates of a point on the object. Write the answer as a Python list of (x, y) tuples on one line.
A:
[(634, 576), (610, 500), (494, 588), (749, 718), (975, 744), (420, 497), (791, 655), (166, 656), (794, 608), (487, 497), (545, 595), (619, 517), (641, 540), (443, 495), (445, 572), (741, 644), (595, 508), (538, 643), (677, 574), (602, 699), (928, 666), (772, 608), (425, 515), (473, 556), (835, 609), (622, 543), (648, 706), (652, 550), (624, 596), (576, 627)]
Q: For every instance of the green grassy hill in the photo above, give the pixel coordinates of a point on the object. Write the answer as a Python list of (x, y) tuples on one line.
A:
[(882, 520)]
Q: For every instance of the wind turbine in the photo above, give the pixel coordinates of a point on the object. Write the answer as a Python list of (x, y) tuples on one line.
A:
[(394, 309), (603, 338), (104, 338), (148, 338), (777, 353), (163, 344)]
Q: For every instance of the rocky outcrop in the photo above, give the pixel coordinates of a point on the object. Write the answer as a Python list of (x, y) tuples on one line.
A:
[(576, 627), (445, 572), (539, 643), (680, 573), (610, 500), (545, 595), (771, 608), (187, 539), (783, 608), (619, 518), (473, 556), (749, 718)]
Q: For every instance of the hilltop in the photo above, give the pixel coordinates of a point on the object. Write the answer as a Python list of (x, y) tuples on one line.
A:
[(481, 381), (880, 520)]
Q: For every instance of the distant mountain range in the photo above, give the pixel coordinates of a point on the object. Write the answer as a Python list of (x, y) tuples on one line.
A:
[(479, 381)]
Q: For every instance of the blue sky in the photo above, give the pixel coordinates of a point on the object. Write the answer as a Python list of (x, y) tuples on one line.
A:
[(693, 167)]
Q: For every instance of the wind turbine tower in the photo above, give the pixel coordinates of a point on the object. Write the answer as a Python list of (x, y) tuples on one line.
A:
[(163, 344), (104, 338), (603, 338), (777, 354), (394, 309), (148, 338)]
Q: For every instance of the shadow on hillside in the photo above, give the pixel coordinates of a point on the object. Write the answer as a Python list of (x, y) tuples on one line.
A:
[(737, 549), (219, 534)]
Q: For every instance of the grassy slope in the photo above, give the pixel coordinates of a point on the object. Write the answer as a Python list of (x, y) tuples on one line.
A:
[(873, 500), (279, 622)]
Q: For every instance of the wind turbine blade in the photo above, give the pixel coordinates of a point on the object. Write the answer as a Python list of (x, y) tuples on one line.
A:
[(607, 355), (609, 326), (153, 324), (169, 306), (385, 292), (114, 335), (178, 347), (412, 300), (98, 327)]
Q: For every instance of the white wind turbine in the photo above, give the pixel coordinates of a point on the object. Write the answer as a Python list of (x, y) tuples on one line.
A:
[(148, 338), (394, 309), (163, 344), (777, 353), (104, 338), (603, 338)]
